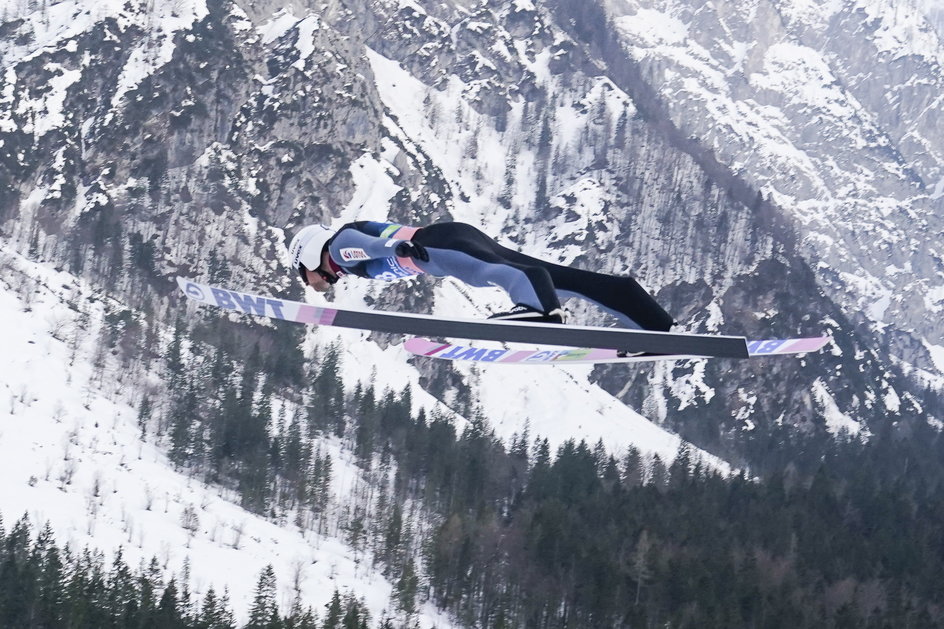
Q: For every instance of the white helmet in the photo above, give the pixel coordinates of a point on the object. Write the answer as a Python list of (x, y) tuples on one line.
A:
[(307, 245)]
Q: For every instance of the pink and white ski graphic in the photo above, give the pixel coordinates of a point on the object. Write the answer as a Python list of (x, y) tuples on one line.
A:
[(451, 351)]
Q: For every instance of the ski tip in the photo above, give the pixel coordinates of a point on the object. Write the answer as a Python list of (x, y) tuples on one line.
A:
[(772, 347), (811, 344)]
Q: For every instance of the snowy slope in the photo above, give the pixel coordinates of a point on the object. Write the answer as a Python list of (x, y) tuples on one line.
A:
[(71, 454)]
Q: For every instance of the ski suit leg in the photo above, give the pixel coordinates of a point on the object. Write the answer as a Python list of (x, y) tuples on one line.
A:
[(621, 296), (466, 253)]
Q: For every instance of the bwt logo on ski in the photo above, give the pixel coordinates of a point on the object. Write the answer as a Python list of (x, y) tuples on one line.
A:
[(250, 304), (458, 352), (195, 292)]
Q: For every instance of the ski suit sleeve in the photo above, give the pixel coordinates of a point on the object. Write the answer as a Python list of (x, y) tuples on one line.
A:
[(350, 246)]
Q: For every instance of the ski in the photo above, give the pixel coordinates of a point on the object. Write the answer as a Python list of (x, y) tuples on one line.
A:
[(449, 351), (472, 329)]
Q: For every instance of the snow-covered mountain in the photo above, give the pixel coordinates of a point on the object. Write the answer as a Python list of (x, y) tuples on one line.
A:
[(769, 168), (834, 113)]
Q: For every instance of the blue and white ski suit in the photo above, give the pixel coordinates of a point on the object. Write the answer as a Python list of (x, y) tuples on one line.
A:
[(366, 249)]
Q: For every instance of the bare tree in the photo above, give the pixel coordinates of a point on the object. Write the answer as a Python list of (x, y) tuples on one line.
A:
[(238, 529), (68, 471), (190, 522), (148, 498), (640, 567)]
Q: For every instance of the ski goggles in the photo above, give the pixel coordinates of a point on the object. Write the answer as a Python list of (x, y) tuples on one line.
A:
[(330, 279)]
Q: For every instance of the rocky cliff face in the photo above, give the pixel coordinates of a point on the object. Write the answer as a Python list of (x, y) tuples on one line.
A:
[(769, 168), (834, 113)]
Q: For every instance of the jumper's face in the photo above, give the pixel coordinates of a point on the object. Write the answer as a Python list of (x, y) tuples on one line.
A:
[(318, 278), (316, 281)]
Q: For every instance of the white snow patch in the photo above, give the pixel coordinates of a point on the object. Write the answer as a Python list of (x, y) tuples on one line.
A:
[(715, 317), (836, 420), (813, 12), (690, 388), (586, 199), (305, 43), (877, 310), (47, 109), (937, 354), (876, 298), (57, 24), (938, 191), (934, 299), (892, 401), (651, 28), (280, 23), (373, 189)]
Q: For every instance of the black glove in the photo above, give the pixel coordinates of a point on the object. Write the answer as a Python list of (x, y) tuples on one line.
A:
[(409, 249)]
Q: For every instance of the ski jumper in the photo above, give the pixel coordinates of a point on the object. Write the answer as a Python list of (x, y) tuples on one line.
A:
[(366, 249)]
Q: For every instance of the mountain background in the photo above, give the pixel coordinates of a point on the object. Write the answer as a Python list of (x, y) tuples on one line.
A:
[(767, 168)]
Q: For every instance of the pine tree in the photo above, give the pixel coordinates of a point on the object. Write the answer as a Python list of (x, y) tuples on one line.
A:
[(144, 415), (300, 618), (681, 467), (88, 583), (190, 522), (264, 613), (334, 612), (255, 475), (295, 460), (326, 407), (657, 473), (183, 417), (366, 424), (167, 615), (545, 139), (599, 456), (123, 596), (149, 583), (356, 529), (320, 482), (393, 534), (406, 588), (355, 615), (633, 472), (214, 612), (51, 580), (621, 134), (174, 358), (16, 596)]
